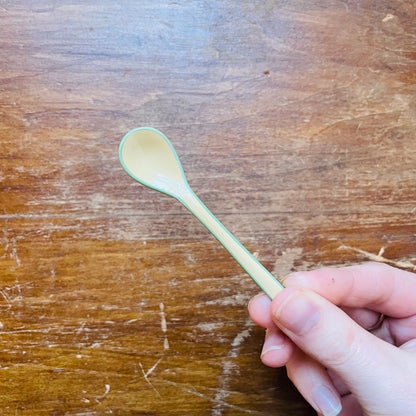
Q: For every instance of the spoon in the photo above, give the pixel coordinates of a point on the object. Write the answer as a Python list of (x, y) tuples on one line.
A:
[(147, 156)]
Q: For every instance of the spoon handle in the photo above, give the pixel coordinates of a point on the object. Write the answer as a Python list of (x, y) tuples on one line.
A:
[(247, 261)]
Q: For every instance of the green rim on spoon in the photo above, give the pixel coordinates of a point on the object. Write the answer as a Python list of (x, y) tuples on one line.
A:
[(148, 157)]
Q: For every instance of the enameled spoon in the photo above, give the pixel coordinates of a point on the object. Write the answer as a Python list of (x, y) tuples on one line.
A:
[(148, 157)]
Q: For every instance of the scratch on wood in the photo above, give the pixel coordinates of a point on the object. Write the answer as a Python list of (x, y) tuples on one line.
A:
[(284, 264), (228, 368), (147, 374), (233, 300), (192, 390), (107, 390), (379, 257), (388, 17), (164, 326), (14, 256), (10, 249), (6, 298), (81, 328), (13, 294)]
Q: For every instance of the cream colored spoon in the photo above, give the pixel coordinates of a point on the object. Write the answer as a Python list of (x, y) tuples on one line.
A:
[(148, 157)]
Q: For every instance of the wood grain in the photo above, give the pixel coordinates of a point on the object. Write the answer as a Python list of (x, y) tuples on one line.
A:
[(295, 123)]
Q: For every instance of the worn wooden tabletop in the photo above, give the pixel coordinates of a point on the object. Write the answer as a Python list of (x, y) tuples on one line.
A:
[(295, 123)]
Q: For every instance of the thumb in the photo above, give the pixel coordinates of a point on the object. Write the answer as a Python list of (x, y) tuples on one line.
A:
[(331, 337)]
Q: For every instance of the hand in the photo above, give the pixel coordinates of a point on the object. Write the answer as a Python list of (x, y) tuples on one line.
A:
[(317, 327)]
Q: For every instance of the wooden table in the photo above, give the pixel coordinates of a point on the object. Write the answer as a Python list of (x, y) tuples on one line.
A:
[(295, 122)]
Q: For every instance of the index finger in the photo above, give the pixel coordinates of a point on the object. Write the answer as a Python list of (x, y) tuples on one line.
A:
[(375, 286)]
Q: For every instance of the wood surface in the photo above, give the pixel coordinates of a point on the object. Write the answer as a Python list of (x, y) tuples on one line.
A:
[(295, 123)]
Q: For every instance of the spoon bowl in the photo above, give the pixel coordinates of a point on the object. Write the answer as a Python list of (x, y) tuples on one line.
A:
[(147, 156)]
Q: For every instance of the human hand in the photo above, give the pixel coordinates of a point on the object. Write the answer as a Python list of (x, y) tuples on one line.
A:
[(318, 328)]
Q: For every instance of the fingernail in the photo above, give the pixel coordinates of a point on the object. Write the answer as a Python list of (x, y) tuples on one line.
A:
[(295, 279), (297, 312), (260, 299), (327, 402), (283, 280), (273, 342), (409, 345), (272, 348)]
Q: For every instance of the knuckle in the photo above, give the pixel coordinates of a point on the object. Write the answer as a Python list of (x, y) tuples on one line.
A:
[(345, 351)]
